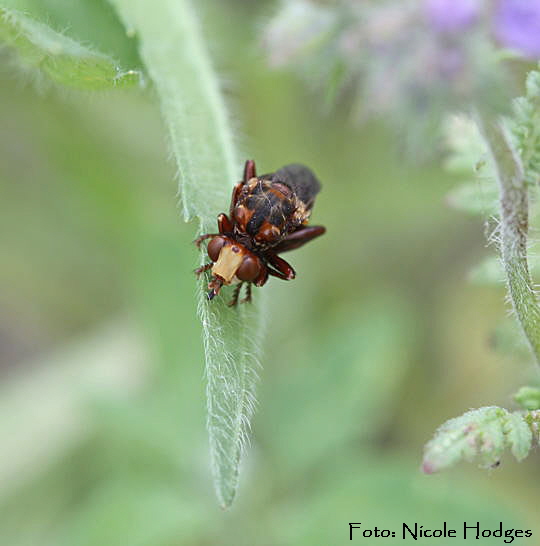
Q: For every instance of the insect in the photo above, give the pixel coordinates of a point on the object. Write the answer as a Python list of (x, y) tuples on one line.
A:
[(268, 215)]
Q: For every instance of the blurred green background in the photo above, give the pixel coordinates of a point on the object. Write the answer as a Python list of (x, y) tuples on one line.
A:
[(379, 340)]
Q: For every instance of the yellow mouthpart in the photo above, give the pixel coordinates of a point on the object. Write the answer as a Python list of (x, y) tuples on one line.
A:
[(227, 263)]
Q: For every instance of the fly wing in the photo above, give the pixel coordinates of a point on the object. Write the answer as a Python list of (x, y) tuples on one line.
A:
[(301, 180)]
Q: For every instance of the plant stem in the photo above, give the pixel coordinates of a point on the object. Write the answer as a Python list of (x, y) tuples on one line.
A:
[(514, 204)]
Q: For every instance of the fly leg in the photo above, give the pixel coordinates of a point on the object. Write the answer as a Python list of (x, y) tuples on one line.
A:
[(300, 237), (283, 269), (203, 268), (247, 299), (234, 199), (236, 293), (249, 170), (249, 173), (202, 238), (224, 224)]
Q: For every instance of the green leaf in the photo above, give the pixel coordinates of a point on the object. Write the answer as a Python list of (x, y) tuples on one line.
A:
[(533, 420), (528, 398), (467, 152), (174, 53), (93, 23), (483, 434), (518, 435), (468, 156), (62, 59), (525, 127)]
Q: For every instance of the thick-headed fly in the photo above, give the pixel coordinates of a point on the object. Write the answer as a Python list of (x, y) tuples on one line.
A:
[(268, 215)]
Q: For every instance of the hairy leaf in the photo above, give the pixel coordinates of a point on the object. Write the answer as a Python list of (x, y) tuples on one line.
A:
[(525, 127), (93, 23), (467, 155), (528, 398), (174, 53), (518, 435), (62, 59), (467, 152), (483, 434)]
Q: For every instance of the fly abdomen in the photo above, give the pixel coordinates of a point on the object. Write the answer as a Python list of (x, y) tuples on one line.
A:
[(301, 180)]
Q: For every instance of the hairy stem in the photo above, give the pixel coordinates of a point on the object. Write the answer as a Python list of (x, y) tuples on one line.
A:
[(514, 205)]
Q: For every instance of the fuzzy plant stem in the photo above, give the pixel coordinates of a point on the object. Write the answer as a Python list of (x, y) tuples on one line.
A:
[(514, 205), (174, 52)]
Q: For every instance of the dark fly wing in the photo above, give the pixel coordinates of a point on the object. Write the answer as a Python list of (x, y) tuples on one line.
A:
[(301, 180)]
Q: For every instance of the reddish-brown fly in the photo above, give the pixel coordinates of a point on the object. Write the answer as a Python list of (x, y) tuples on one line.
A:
[(268, 215)]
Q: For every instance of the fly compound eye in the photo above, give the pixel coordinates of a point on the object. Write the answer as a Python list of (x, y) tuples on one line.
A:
[(249, 269), (215, 246)]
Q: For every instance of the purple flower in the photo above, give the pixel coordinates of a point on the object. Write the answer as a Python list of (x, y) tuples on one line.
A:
[(517, 26), (451, 15)]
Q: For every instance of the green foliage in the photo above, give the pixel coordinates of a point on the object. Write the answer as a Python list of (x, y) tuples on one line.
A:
[(62, 59), (514, 219), (525, 127), (514, 165), (467, 155), (514, 149), (347, 379), (467, 148), (175, 54), (187, 87), (113, 438), (93, 23), (481, 434), (528, 398), (467, 152)]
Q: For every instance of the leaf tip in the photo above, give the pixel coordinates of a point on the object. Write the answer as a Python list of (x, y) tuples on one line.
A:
[(428, 467)]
